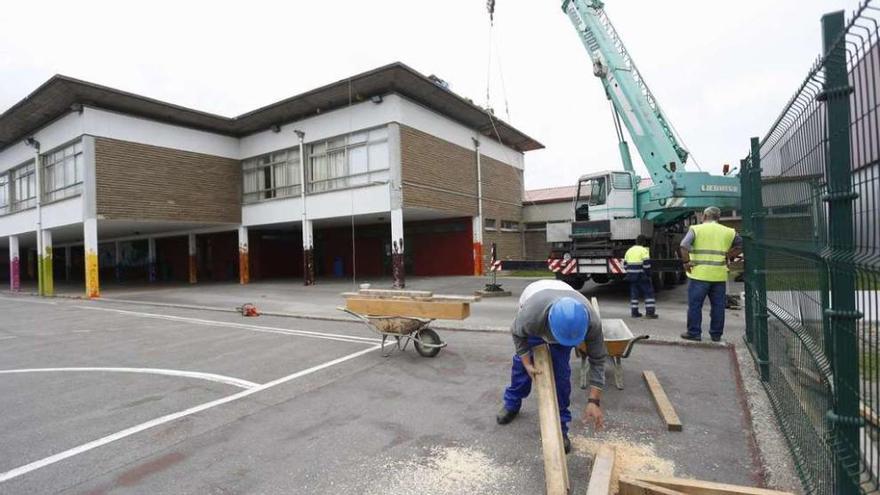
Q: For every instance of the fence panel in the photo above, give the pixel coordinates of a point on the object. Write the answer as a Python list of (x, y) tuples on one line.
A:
[(811, 225)]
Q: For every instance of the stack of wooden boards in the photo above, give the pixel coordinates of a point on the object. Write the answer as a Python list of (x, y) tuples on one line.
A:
[(409, 303)]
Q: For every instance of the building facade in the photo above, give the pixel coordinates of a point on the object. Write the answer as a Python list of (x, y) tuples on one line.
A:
[(398, 170)]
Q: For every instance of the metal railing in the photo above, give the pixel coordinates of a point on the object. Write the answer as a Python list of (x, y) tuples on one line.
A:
[(811, 226)]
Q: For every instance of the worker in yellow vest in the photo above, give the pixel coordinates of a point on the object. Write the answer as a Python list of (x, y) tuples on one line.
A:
[(705, 251), (637, 262)]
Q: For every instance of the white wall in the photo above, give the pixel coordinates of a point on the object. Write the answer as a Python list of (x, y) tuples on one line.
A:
[(547, 212), (359, 201), (59, 132), (102, 123), (65, 212)]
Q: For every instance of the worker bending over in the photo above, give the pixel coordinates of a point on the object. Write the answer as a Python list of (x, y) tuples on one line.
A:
[(705, 251), (637, 262), (551, 311)]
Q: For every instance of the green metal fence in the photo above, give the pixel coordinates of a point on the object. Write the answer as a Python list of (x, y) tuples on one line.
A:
[(811, 229)]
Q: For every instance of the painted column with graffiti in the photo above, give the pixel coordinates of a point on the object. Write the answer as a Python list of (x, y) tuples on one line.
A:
[(46, 265), (398, 268), (68, 263), (117, 261), (478, 244), (90, 238), (14, 265), (192, 261), (308, 254), (244, 267)]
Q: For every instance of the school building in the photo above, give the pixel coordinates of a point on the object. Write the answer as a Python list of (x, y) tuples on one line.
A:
[(402, 176)]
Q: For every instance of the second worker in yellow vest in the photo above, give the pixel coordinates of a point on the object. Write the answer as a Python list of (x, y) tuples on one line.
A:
[(705, 251), (637, 262)]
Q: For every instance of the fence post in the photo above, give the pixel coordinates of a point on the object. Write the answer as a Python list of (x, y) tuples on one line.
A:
[(842, 313), (748, 247), (759, 273)]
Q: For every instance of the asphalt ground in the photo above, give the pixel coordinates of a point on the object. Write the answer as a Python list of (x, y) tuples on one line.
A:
[(210, 402), (290, 297)]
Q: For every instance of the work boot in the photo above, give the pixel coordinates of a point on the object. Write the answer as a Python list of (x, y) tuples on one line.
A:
[(651, 316), (504, 416), (566, 443), (687, 336), (716, 338), (636, 315)]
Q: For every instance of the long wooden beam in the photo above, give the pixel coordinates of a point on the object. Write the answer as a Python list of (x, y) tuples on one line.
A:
[(555, 464), (664, 406), (630, 486), (603, 468), (443, 310), (698, 487)]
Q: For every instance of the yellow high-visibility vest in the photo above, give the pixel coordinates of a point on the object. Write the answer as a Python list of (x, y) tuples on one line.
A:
[(708, 254), (636, 255)]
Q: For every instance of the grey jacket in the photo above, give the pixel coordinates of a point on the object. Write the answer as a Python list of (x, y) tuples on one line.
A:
[(531, 321)]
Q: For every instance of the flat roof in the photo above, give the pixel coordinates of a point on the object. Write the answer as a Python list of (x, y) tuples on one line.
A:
[(55, 97), (550, 194)]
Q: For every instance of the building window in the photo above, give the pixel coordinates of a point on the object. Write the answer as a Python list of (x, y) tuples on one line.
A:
[(273, 175), (536, 226), (489, 223), (509, 226), (356, 159), (63, 172), (4, 194), (24, 187)]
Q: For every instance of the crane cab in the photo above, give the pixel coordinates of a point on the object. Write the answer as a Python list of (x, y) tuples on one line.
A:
[(606, 195)]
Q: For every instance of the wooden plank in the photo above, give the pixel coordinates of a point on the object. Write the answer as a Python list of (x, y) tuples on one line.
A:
[(630, 486), (698, 487), (444, 310), (555, 464), (600, 476), (664, 406), (396, 293)]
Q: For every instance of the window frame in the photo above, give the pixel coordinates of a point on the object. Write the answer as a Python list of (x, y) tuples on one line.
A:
[(269, 170), (506, 228), (51, 164), (340, 147)]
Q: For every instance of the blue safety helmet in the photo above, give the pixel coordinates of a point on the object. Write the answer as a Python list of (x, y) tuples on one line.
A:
[(569, 320)]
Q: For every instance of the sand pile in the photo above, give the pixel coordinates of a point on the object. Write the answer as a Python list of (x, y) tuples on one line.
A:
[(446, 471)]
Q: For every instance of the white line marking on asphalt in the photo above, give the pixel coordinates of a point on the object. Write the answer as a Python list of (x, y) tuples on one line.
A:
[(27, 299), (8, 337), (256, 328), (228, 380), (14, 473)]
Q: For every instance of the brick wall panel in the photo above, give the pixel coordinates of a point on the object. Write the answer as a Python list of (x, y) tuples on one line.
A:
[(143, 182)]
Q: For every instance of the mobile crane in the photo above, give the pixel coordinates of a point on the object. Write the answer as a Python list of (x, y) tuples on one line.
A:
[(611, 208)]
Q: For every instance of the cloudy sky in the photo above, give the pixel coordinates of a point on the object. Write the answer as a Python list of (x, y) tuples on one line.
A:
[(721, 70)]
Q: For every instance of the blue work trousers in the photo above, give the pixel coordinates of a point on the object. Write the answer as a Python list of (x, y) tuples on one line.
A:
[(521, 382), (697, 292), (641, 287)]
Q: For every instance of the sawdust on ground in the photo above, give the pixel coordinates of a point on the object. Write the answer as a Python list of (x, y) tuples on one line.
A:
[(630, 457), (447, 471)]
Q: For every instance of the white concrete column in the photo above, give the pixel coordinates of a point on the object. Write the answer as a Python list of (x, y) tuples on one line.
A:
[(308, 253), (244, 267), (14, 265), (46, 263), (151, 259), (192, 253), (478, 220), (398, 268), (90, 239)]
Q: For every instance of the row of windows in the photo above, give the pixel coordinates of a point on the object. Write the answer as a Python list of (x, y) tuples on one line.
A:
[(347, 161), (62, 175), (507, 225)]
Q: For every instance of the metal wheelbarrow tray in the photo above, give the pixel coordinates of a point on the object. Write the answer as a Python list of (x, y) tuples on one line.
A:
[(403, 329), (619, 342)]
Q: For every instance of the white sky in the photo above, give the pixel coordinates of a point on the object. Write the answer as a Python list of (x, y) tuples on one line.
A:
[(721, 70)]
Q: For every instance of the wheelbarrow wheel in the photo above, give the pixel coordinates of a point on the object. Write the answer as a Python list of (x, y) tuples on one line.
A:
[(427, 336)]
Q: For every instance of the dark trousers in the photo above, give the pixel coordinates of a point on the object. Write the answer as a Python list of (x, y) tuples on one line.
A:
[(642, 287), (697, 292), (521, 382)]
